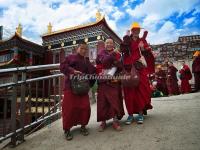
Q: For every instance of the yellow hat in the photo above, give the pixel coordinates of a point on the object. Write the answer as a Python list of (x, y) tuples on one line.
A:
[(135, 25), (197, 53)]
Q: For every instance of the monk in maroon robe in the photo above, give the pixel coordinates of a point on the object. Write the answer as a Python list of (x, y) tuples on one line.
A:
[(75, 108), (196, 70), (137, 99), (185, 76), (109, 93), (172, 81), (161, 79)]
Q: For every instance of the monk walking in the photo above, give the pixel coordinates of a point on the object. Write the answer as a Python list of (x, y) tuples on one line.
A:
[(75, 108), (185, 76), (137, 99), (172, 81), (109, 93), (196, 70), (161, 79)]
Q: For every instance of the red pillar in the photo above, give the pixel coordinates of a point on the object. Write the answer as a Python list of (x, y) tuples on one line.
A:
[(62, 55), (100, 46)]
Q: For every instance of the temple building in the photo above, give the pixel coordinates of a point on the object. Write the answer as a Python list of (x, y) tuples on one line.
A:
[(182, 49), (17, 51), (64, 42)]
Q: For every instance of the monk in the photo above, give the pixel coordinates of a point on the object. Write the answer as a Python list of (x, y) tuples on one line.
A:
[(161, 79), (109, 93), (137, 99), (172, 81), (196, 70), (76, 108), (185, 76)]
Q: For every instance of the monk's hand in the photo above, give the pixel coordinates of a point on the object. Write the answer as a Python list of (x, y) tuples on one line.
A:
[(77, 72), (141, 45), (128, 32)]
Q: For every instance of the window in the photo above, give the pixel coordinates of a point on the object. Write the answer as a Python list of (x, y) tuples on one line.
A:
[(57, 59), (4, 80), (23, 56), (6, 57), (68, 52), (92, 53)]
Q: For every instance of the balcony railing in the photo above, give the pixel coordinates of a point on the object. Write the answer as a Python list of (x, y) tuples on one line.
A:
[(28, 102)]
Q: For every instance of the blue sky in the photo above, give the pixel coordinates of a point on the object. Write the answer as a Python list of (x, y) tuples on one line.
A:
[(164, 19)]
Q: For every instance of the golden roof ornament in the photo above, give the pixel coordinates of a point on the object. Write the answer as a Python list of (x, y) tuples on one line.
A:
[(86, 40), (98, 37), (49, 28), (19, 30), (74, 42), (98, 15), (49, 47), (62, 44)]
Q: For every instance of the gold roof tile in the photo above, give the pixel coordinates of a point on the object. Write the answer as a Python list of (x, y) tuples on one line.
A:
[(74, 28)]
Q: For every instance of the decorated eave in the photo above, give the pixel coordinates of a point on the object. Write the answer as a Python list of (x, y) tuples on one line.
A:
[(17, 41), (83, 26), (4, 64)]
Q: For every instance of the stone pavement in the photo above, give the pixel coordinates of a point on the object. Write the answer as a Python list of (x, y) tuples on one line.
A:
[(173, 124)]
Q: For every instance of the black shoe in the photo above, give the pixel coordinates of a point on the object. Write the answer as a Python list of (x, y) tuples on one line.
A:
[(84, 131), (145, 112), (68, 135)]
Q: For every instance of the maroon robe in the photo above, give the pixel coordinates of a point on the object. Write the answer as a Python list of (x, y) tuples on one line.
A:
[(185, 76), (139, 98), (172, 81), (161, 79), (109, 94), (149, 57), (75, 108), (196, 71)]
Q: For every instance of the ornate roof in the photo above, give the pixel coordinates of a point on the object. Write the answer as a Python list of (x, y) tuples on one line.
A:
[(74, 28), (6, 63), (16, 35), (97, 22), (17, 41)]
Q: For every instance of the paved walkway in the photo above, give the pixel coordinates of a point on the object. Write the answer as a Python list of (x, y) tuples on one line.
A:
[(173, 124)]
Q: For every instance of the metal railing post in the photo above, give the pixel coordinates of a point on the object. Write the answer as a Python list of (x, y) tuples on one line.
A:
[(13, 110), (5, 116), (60, 92), (22, 86), (22, 106)]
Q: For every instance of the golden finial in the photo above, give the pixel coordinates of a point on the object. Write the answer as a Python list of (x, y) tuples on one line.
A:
[(49, 47), (19, 30), (74, 42), (98, 37), (49, 28), (62, 44), (98, 15), (86, 40)]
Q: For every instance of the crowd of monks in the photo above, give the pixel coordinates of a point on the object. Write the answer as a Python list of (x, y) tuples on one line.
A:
[(110, 92), (164, 82)]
